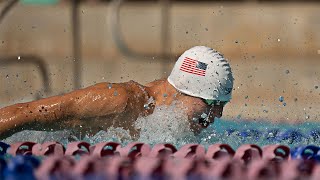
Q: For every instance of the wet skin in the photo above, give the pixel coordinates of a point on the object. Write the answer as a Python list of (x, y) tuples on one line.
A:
[(101, 106)]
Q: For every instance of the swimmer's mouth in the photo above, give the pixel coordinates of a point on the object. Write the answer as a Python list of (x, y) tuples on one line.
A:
[(203, 122)]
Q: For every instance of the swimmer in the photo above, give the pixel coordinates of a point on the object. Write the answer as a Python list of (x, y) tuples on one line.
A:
[(200, 84)]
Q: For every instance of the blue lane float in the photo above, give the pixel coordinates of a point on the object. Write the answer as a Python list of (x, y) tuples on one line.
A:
[(85, 165), (21, 167), (3, 148), (310, 152)]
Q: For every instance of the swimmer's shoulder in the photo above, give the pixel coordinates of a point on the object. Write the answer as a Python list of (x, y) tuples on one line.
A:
[(105, 90), (123, 85), (123, 88), (96, 100), (128, 84)]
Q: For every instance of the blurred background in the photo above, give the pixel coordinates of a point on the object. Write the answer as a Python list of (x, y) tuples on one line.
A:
[(50, 47)]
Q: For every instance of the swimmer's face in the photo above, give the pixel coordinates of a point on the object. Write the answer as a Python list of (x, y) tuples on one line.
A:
[(200, 114)]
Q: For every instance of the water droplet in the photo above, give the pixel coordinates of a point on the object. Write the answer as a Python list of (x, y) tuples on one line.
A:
[(115, 93), (146, 106), (307, 116), (265, 111), (204, 115), (281, 98), (284, 104), (18, 57), (109, 86), (195, 120), (7, 76)]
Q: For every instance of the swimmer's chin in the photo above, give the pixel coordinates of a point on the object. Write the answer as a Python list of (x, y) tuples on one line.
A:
[(204, 126), (198, 125)]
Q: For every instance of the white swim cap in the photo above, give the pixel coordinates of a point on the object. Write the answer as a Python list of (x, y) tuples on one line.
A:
[(203, 72)]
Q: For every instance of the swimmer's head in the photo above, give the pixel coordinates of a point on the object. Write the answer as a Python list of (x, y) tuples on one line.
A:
[(204, 73), (204, 78)]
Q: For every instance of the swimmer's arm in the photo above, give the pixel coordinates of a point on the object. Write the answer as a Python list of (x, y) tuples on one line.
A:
[(99, 100), (94, 101)]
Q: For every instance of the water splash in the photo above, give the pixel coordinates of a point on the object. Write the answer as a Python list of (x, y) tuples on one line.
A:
[(281, 98), (165, 125)]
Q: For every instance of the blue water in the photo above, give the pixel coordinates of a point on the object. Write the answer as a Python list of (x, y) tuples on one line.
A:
[(232, 132), (238, 132)]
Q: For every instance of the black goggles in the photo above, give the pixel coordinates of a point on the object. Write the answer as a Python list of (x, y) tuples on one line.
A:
[(211, 102)]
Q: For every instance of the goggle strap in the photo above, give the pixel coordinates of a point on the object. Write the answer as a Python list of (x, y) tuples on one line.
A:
[(213, 102)]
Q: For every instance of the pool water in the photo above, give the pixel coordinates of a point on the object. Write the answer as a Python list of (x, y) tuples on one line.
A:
[(166, 125), (236, 133)]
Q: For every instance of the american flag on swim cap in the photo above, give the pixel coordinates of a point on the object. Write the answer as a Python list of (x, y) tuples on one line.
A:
[(193, 66)]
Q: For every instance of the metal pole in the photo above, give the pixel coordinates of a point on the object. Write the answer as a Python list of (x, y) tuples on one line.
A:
[(7, 8), (76, 38), (123, 47), (37, 62), (165, 36)]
